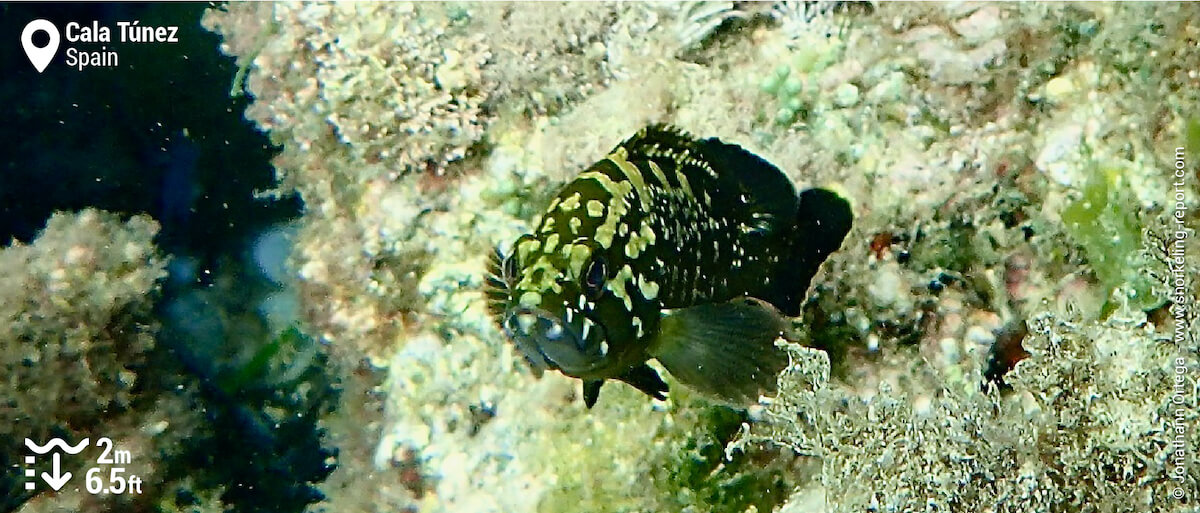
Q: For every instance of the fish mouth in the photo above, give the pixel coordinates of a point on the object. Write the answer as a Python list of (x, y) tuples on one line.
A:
[(547, 341)]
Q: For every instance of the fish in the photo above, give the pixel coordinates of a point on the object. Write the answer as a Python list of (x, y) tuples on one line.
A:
[(692, 252)]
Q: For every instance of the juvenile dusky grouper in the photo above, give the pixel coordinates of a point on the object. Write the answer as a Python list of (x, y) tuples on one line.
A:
[(683, 250)]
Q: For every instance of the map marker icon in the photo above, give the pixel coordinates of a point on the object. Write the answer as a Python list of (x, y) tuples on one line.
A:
[(40, 57)]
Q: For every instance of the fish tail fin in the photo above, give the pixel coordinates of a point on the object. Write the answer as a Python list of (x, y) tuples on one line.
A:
[(823, 219), (724, 350)]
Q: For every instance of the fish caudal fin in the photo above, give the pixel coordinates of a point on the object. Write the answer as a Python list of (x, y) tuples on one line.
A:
[(822, 221), (725, 350)]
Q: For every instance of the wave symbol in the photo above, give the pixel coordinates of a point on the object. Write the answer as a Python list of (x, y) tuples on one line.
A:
[(56, 442)]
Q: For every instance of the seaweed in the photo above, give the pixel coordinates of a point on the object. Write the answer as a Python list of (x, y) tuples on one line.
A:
[(1104, 222)]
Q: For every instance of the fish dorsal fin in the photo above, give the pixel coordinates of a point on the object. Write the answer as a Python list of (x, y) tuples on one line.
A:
[(660, 141), (736, 173), (725, 350), (768, 192)]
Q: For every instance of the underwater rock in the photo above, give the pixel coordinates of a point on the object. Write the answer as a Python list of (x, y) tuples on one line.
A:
[(948, 146)]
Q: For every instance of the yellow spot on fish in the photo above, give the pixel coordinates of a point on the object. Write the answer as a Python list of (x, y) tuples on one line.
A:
[(551, 243), (605, 182), (528, 247), (570, 204), (618, 205), (541, 275), (658, 173), (531, 299), (616, 213), (595, 208), (575, 224), (647, 234), (633, 174), (683, 182), (639, 241), (632, 249), (579, 256), (617, 286), (604, 235)]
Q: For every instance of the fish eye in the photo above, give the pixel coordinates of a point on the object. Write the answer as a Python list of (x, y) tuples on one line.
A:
[(593, 280)]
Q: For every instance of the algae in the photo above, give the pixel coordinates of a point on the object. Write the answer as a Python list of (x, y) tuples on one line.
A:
[(1104, 222)]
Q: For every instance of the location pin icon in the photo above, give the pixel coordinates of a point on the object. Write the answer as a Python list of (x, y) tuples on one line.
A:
[(40, 57)]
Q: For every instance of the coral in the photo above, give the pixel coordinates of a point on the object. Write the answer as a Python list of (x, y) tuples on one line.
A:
[(546, 56), (480, 429), (78, 322), (413, 104)]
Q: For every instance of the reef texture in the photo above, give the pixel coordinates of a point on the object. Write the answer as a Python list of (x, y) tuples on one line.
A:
[(76, 328), (1089, 425), (972, 140), (76, 300)]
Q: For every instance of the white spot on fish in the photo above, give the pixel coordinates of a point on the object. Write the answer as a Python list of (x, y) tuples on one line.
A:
[(649, 288)]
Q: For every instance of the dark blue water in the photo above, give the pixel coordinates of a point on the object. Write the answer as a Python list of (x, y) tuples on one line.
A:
[(160, 135)]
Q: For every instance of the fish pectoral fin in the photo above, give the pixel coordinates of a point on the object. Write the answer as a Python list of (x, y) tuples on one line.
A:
[(726, 350), (647, 380), (591, 391)]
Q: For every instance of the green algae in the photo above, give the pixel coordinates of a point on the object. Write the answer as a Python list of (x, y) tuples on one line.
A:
[(697, 474), (1104, 222), (685, 465)]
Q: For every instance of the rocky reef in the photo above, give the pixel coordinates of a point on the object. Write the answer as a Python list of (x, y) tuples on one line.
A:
[(77, 328), (989, 338)]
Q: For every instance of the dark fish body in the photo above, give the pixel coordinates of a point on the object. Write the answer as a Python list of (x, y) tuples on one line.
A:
[(688, 251)]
